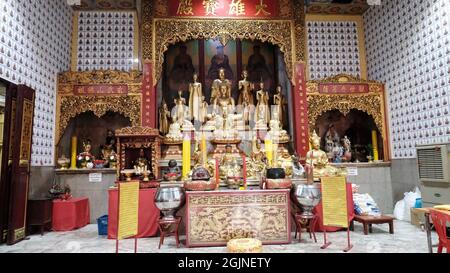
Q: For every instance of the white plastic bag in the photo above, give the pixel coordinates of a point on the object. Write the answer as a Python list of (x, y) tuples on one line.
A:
[(399, 210)]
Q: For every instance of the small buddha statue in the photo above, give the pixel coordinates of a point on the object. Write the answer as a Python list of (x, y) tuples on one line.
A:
[(277, 133), (317, 160), (174, 134), (245, 88), (164, 118), (256, 164), (262, 111), (141, 164), (86, 156), (109, 147), (285, 162), (347, 157), (229, 166), (279, 103), (173, 173)]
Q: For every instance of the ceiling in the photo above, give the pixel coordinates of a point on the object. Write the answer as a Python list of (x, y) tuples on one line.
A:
[(107, 5), (336, 6)]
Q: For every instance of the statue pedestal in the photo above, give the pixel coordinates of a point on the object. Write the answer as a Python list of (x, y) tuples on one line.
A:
[(173, 150), (220, 146)]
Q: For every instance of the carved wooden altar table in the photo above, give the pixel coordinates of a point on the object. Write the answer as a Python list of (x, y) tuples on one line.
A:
[(213, 218)]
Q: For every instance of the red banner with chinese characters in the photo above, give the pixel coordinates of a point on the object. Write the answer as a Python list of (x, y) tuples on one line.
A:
[(96, 90), (343, 88), (148, 105), (301, 112), (224, 8)]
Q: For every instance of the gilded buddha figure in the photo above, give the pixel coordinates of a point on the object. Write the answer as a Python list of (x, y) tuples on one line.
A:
[(256, 165), (218, 83), (262, 113), (318, 160), (195, 98), (245, 88), (229, 166)]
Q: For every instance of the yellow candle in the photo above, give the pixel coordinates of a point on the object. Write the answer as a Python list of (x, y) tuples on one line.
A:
[(374, 145), (73, 159), (203, 148), (269, 150), (186, 156)]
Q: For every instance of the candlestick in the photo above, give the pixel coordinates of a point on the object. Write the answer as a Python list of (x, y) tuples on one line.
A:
[(269, 150), (73, 159), (375, 145), (203, 148), (186, 156)]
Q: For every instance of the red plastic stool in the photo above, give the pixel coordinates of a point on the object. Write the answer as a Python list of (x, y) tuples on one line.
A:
[(299, 220), (165, 229)]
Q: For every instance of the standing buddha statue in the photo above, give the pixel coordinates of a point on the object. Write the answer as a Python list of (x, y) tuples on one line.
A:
[(195, 96), (245, 88), (262, 113)]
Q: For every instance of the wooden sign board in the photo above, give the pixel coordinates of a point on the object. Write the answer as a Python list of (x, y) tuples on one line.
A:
[(334, 201), (128, 210)]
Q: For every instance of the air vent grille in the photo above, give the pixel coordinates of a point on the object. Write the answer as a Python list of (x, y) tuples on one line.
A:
[(430, 163)]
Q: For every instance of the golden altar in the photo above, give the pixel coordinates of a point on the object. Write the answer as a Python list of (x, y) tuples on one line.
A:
[(213, 218)]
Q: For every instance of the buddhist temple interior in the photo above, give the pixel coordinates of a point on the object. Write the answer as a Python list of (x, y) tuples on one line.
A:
[(225, 125)]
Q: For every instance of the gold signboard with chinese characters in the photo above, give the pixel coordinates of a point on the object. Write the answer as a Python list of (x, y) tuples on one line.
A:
[(26, 136)]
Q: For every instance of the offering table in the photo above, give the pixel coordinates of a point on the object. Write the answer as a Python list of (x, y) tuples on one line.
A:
[(213, 218)]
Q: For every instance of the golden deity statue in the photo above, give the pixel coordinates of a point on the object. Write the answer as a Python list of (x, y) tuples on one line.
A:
[(224, 101), (285, 161), (181, 113), (164, 118), (141, 164), (228, 165), (245, 88), (262, 113), (203, 110), (279, 102), (276, 132), (318, 160), (217, 83), (195, 98), (256, 165)]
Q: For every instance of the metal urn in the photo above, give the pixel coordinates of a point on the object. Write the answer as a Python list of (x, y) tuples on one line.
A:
[(308, 196), (168, 200)]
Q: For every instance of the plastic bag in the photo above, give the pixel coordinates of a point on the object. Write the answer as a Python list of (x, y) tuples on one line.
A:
[(399, 210), (365, 205), (410, 202)]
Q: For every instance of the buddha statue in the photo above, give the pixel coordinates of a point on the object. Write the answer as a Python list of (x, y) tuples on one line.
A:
[(276, 132), (285, 162), (245, 88), (217, 83), (279, 103), (109, 147), (228, 164), (141, 163), (262, 111), (224, 102), (203, 110), (174, 134), (164, 118), (256, 164), (195, 96), (173, 173), (317, 160)]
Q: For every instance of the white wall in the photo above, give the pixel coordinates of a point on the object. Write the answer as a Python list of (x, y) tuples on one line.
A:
[(408, 48), (35, 40)]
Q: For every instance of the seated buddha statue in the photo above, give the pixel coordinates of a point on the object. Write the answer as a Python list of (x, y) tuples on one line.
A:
[(173, 173), (141, 164), (256, 164), (285, 161), (229, 166), (174, 134), (318, 160), (277, 133)]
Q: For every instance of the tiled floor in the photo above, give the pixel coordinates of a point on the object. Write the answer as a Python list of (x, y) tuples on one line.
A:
[(407, 238)]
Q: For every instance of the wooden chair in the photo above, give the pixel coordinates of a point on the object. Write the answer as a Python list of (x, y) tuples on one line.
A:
[(440, 220)]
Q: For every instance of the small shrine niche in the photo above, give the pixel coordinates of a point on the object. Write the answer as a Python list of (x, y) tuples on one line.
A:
[(357, 126), (87, 126)]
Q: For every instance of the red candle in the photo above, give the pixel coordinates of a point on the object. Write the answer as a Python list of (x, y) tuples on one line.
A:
[(245, 171), (217, 174)]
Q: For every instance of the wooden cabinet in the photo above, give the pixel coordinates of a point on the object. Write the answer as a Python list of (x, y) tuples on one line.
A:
[(39, 213)]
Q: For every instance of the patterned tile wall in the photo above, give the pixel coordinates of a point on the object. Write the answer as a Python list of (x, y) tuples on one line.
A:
[(332, 48), (34, 46), (408, 48), (105, 40)]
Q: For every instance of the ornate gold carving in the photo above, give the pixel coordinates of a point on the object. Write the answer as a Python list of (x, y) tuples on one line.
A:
[(161, 8), (100, 77), (27, 126), (169, 31), (19, 233), (147, 29), (137, 131), (371, 103), (285, 9), (299, 30), (71, 106), (259, 214), (343, 78)]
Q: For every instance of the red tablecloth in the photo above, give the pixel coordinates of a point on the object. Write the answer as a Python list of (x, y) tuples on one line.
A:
[(350, 210), (70, 214), (147, 218)]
